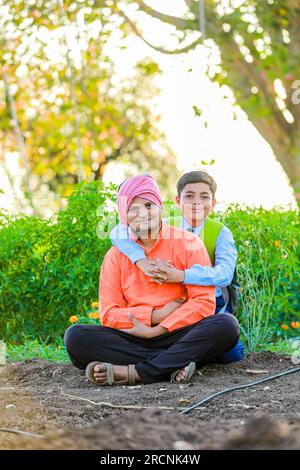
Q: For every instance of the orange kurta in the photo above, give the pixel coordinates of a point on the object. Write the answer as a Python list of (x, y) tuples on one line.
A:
[(125, 288)]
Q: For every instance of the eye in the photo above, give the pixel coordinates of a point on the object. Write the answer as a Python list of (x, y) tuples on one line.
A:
[(148, 205)]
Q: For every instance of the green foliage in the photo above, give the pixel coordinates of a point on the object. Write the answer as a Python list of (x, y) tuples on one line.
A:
[(268, 271), (69, 98), (49, 270), (36, 349)]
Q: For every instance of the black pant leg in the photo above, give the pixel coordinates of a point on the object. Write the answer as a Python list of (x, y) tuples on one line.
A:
[(206, 340), (154, 358), (87, 343)]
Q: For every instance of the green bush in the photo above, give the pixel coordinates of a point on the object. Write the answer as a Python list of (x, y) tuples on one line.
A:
[(49, 270), (268, 272)]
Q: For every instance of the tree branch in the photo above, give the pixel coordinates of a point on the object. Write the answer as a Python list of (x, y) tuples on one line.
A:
[(179, 23), (157, 48)]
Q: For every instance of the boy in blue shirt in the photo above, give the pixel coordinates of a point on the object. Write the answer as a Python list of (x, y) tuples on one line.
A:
[(196, 198)]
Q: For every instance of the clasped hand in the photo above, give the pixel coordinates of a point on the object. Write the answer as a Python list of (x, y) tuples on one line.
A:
[(160, 270)]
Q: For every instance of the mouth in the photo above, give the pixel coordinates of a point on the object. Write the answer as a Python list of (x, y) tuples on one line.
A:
[(143, 224)]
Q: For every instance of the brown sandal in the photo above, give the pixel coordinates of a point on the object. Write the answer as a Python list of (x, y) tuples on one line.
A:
[(189, 374), (89, 373)]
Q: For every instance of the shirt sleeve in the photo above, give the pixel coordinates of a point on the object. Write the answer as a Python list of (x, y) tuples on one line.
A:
[(114, 310), (225, 261), (119, 237), (201, 300)]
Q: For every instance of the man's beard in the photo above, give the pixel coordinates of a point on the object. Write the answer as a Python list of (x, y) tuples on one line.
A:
[(149, 232)]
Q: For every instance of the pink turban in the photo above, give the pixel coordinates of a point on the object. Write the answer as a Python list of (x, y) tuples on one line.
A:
[(143, 186)]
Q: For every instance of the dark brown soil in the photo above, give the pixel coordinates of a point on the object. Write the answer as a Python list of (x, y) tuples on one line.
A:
[(64, 411)]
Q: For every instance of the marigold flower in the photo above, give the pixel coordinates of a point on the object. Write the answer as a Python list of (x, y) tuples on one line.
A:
[(277, 243), (95, 304), (91, 315), (295, 324), (284, 327), (73, 319)]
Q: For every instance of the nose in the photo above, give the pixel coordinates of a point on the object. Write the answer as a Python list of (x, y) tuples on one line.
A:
[(143, 212)]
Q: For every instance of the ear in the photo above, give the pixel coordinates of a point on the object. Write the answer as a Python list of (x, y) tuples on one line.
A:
[(177, 199)]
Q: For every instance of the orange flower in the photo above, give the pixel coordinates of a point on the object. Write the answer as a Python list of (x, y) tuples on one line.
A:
[(295, 324), (94, 315), (284, 327), (95, 305), (73, 319)]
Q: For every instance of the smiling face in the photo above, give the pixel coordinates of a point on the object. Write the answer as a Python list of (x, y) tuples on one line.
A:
[(196, 202), (144, 217)]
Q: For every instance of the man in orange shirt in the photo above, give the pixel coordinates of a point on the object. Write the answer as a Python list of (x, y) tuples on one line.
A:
[(150, 331)]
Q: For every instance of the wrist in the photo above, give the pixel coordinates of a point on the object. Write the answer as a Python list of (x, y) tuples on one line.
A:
[(181, 276), (156, 317), (157, 331)]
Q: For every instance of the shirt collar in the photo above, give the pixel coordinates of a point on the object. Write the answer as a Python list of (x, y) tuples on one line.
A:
[(185, 225)]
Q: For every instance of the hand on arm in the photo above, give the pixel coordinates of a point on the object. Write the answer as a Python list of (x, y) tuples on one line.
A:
[(151, 266), (168, 274), (141, 330), (160, 270), (161, 314)]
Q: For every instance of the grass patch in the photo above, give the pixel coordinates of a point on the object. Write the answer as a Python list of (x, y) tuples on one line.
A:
[(280, 347), (34, 349)]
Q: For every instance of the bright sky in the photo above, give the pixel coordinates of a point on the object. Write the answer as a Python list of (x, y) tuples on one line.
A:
[(245, 168)]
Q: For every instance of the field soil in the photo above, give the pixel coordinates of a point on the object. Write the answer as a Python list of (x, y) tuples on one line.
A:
[(59, 409)]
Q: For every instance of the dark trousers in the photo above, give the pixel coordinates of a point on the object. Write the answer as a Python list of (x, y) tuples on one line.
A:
[(154, 358)]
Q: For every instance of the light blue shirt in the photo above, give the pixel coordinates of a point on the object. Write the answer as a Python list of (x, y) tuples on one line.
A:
[(220, 275)]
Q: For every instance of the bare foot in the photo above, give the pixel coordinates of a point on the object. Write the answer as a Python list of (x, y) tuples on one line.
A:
[(119, 372), (180, 376)]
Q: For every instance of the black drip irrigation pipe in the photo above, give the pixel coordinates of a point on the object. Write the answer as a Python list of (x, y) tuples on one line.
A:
[(239, 387)]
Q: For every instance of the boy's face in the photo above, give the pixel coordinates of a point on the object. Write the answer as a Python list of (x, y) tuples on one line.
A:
[(196, 202)]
